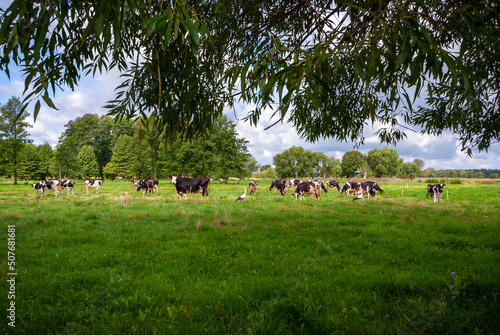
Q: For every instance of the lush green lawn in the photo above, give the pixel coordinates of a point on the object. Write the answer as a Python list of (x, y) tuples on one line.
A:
[(117, 263)]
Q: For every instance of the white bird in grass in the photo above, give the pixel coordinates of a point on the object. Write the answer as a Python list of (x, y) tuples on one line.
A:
[(358, 197), (242, 197)]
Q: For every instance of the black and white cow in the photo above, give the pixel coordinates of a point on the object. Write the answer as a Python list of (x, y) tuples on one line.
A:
[(332, 183), (350, 186), (292, 183), (320, 184), (435, 190), (375, 187), (307, 187), (280, 185), (67, 184), (135, 183), (43, 186), (146, 186), (190, 185), (39, 187), (252, 187), (97, 184)]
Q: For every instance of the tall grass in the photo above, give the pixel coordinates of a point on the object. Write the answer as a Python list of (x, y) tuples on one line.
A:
[(115, 262)]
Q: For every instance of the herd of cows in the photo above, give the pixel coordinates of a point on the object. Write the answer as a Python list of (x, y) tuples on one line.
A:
[(186, 185)]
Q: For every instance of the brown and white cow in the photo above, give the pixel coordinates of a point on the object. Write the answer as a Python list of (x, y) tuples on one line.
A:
[(307, 188), (435, 190), (97, 184), (252, 187)]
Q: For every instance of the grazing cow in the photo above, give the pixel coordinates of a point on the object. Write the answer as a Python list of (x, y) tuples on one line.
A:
[(252, 187), (93, 184), (435, 189), (135, 183), (332, 183), (146, 186), (374, 186), (307, 187), (39, 187), (190, 185), (67, 184), (47, 185), (320, 184), (292, 183), (350, 186), (280, 185), (155, 184)]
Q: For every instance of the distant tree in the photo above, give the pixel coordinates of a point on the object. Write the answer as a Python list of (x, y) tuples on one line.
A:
[(494, 175), (110, 171), (409, 171), (352, 161), (44, 156), (13, 131), (331, 167), (384, 162), (90, 129), (265, 167), (286, 162), (252, 165), (88, 162), (122, 157), (478, 175), (28, 162), (420, 163)]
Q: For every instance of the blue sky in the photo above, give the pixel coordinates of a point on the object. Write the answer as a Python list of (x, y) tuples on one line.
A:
[(440, 152)]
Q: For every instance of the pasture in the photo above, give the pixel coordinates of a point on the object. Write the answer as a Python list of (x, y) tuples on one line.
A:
[(118, 263)]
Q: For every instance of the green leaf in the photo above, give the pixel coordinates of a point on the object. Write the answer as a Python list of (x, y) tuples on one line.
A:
[(37, 110)]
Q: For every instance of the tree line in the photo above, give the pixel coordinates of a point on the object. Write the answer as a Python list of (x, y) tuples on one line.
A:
[(95, 146), (296, 162)]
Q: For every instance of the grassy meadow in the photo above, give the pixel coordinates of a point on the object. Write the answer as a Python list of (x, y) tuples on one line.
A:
[(118, 263)]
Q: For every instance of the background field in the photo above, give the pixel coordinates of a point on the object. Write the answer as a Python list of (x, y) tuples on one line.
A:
[(116, 263)]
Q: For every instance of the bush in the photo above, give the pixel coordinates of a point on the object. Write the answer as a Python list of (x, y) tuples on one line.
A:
[(456, 181), (494, 175), (432, 181)]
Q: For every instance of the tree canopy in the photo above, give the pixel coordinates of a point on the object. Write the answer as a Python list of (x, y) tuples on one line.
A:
[(327, 67)]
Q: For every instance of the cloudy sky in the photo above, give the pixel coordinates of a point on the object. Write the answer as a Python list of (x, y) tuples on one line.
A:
[(441, 152)]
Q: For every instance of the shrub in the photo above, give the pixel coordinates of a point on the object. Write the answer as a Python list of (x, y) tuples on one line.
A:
[(432, 181), (494, 175), (456, 181)]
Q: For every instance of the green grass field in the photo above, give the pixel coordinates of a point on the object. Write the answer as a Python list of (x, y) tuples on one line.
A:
[(118, 263)]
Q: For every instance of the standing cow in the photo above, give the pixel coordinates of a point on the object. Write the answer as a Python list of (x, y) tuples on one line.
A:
[(280, 185), (252, 187), (67, 184), (190, 185), (435, 190), (93, 184), (307, 188)]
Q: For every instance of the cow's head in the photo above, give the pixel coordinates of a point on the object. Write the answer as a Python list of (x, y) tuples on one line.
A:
[(174, 180)]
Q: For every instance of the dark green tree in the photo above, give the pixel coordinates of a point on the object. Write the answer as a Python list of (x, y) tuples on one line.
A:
[(44, 154), (409, 171), (122, 157), (351, 162), (328, 67), (384, 162), (29, 162), (13, 132), (88, 166)]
